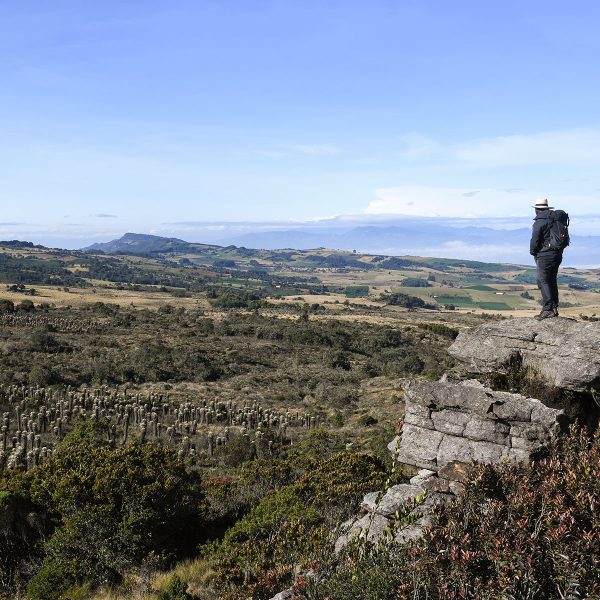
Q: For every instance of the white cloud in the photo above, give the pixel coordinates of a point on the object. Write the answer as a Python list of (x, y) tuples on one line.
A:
[(568, 147), (428, 201)]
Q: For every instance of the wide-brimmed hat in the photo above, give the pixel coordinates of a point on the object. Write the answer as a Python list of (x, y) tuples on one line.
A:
[(542, 204)]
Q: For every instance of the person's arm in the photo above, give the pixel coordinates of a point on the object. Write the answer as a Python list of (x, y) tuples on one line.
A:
[(537, 238)]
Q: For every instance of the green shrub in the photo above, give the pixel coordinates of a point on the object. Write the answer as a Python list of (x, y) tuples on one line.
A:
[(518, 532), (414, 282), (175, 590), (440, 329), (114, 508), (356, 291), (406, 301), (279, 535)]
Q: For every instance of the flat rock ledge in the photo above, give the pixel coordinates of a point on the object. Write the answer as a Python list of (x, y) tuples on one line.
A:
[(566, 353)]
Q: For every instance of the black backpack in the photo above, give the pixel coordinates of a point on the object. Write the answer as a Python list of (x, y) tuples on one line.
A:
[(558, 222)]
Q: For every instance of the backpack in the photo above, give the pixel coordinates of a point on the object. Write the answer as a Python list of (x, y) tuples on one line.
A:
[(558, 221)]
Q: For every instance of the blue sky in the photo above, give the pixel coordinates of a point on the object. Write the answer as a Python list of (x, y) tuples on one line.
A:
[(135, 115)]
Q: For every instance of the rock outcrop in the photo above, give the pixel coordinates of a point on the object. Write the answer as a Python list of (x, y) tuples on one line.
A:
[(379, 510), (566, 353), (451, 423), (456, 421), (464, 422)]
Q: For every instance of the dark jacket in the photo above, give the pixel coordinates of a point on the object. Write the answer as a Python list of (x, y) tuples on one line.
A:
[(540, 236)]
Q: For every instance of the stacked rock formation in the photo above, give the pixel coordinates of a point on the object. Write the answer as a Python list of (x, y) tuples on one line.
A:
[(459, 420)]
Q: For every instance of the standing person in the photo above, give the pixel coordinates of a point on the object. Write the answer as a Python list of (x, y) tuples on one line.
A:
[(548, 254)]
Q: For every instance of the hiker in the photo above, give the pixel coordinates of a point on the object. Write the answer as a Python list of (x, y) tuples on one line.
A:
[(548, 240)]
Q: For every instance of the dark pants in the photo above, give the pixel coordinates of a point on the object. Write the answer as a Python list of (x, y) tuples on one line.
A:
[(547, 271)]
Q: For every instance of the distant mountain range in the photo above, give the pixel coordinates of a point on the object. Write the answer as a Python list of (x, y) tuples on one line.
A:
[(433, 239), (142, 243)]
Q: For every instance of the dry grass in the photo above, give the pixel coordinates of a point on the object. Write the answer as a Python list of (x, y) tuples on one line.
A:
[(80, 296), (197, 573)]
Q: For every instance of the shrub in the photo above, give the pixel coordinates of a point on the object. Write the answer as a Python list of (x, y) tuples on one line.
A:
[(260, 553), (440, 329), (115, 509), (356, 291), (406, 301), (414, 282), (521, 532), (176, 590), (7, 306)]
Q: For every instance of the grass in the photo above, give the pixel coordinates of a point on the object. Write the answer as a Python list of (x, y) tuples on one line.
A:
[(456, 300), (197, 573), (482, 288), (494, 306)]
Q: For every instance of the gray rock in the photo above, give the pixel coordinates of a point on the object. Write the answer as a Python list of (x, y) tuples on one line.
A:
[(488, 453), (285, 595), (419, 447), (393, 500), (454, 471), (436, 484), (450, 421), (457, 488), (479, 429), (453, 448), (373, 525), (472, 423), (393, 446), (421, 476), (414, 531), (564, 352)]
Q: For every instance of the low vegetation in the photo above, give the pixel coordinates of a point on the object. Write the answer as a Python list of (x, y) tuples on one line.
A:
[(200, 434)]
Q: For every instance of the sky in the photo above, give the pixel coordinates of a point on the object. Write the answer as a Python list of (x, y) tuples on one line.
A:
[(135, 116)]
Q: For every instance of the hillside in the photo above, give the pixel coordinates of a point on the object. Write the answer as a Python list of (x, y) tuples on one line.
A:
[(167, 267), (139, 243), (259, 388)]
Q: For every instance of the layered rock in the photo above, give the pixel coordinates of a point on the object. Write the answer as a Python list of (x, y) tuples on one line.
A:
[(566, 353), (448, 422)]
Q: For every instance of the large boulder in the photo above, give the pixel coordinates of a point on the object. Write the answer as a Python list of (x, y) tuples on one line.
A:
[(448, 422), (564, 352)]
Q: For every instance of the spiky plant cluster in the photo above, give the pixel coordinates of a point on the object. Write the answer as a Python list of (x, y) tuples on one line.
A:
[(36, 418)]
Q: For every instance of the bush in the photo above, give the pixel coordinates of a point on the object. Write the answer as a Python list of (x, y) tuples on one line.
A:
[(414, 282), (440, 329), (7, 306), (406, 301), (176, 590), (356, 291), (259, 554), (115, 508), (21, 532), (520, 532)]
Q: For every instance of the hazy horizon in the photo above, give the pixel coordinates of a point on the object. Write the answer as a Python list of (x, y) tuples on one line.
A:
[(490, 240)]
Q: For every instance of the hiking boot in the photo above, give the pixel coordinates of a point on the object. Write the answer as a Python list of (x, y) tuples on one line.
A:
[(555, 310), (546, 314)]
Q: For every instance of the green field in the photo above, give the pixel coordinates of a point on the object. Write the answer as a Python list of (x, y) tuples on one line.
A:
[(482, 288), (461, 301), (494, 306)]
